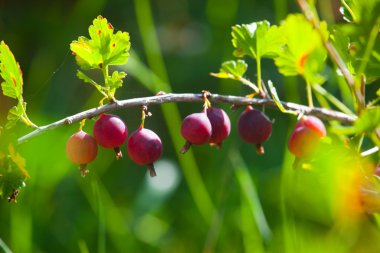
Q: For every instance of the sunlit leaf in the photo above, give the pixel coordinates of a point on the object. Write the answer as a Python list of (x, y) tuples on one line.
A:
[(368, 121), (103, 48), (258, 39), (232, 69), (14, 115), (116, 80), (86, 56), (304, 53), (10, 72)]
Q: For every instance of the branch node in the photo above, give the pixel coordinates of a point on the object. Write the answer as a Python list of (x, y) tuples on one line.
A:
[(68, 121), (160, 93)]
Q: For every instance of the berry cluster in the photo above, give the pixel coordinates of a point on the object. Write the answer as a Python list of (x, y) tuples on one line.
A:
[(210, 126), (144, 146)]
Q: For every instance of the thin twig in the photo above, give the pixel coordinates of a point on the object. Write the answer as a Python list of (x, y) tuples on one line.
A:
[(322, 113)]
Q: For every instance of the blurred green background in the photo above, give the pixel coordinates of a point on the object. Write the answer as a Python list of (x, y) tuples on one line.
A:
[(209, 200)]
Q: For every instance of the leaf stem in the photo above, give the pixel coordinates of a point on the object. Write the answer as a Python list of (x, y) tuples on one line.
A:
[(249, 84), (309, 94), (24, 116), (333, 100), (105, 76), (258, 64)]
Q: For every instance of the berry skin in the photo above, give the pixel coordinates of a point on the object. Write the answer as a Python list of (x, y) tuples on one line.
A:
[(303, 142), (254, 127), (196, 129), (306, 136), (81, 148), (312, 123), (220, 124), (377, 171), (110, 132), (144, 148)]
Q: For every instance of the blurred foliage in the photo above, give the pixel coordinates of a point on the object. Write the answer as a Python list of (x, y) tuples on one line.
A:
[(209, 200)]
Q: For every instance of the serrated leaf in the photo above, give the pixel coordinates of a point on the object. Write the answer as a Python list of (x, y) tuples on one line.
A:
[(368, 121), (14, 115), (232, 69), (258, 39), (304, 53), (86, 55), (103, 48), (116, 80), (10, 72)]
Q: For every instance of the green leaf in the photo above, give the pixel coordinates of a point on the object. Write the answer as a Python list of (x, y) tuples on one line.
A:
[(86, 55), (116, 80), (258, 39), (232, 69), (14, 115), (304, 53), (368, 121), (11, 73), (103, 48)]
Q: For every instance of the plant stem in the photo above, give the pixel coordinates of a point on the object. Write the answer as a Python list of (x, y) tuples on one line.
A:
[(309, 94), (105, 76), (258, 64), (322, 113), (24, 116), (249, 84)]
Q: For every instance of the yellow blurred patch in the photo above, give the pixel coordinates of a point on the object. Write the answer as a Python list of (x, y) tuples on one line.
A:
[(18, 160)]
